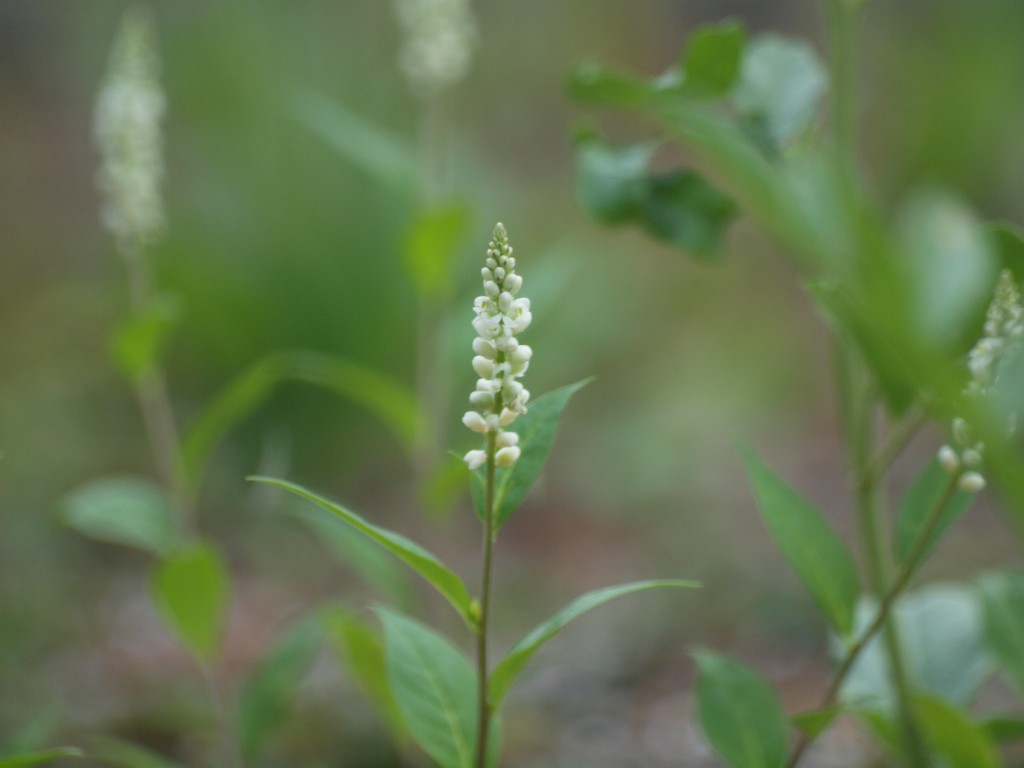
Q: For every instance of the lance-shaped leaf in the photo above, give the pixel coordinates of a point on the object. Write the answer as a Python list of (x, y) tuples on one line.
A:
[(1002, 602), (508, 669), (435, 688), (190, 588), (817, 554), (412, 554), (39, 758), (952, 735), (739, 713), (123, 510), (536, 429), (932, 487), (267, 694)]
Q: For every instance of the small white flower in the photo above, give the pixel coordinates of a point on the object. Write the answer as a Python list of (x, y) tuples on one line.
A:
[(475, 459), (971, 482), (506, 457), (948, 460), (507, 439), (475, 421)]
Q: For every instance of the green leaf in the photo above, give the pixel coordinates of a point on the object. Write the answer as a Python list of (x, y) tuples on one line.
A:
[(361, 651), (391, 402), (431, 245), (950, 269), (595, 84), (739, 713), (780, 87), (940, 629), (712, 59), (412, 554), (39, 758), (816, 721), (684, 210), (362, 555), (614, 185), (435, 689), (123, 510), (1002, 602), (1001, 730), (1006, 239), (953, 736), (386, 158), (918, 505), (190, 588), (505, 673), (816, 553), (267, 694), (127, 755), (536, 429), (139, 340)]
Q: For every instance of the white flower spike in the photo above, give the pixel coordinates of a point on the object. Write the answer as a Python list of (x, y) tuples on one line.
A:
[(500, 359), (129, 109), (439, 37)]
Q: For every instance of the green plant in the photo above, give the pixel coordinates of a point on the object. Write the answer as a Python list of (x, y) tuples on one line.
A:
[(450, 709), (904, 299)]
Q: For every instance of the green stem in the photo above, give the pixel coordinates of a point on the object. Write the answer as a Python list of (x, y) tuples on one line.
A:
[(853, 653), (483, 687)]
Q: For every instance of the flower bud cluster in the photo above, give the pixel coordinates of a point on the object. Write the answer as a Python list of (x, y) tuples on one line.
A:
[(438, 44), (126, 126), (499, 398), (1004, 332)]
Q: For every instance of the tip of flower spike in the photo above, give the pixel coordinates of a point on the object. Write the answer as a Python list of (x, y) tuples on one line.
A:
[(500, 233)]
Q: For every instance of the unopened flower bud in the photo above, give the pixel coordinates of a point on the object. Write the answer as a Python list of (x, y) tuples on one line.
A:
[(475, 459), (948, 460), (475, 421), (507, 439), (971, 482), (506, 457), (483, 367)]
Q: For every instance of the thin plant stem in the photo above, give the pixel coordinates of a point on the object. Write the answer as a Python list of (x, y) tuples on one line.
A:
[(483, 687), (853, 653), (231, 754)]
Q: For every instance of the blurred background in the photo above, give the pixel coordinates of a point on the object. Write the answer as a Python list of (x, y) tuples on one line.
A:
[(275, 240)]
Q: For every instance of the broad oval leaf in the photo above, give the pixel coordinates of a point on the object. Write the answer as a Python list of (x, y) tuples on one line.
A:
[(190, 589), (739, 713), (941, 635), (817, 554), (612, 182), (39, 758), (953, 736), (123, 510), (781, 85), (712, 58), (505, 673), (435, 689), (412, 554), (932, 487), (267, 693), (1002, 602)]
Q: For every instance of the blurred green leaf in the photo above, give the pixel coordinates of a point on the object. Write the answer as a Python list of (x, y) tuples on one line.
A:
[(739, 713), (817, 554), (950, 269), (387, 399), (953, 736), (39, 758), (781, 85), (122, 753), (918, 504), (593, 83), (941, 637), (386, 158), (412, 554), (431, 245), (509, 668), (361, 651), (1002, 602), (816, 721), (536, 429), (190, 588), (435, 689), (267, 693), (362, 555), (680, 207), (1006, 240), (139, 340), (712, 58), (123, 510), (1003, 729)]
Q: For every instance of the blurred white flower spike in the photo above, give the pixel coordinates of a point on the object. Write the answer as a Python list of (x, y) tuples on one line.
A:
[(499, 398), (129, 109), (1004, 332), (438, 42)]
